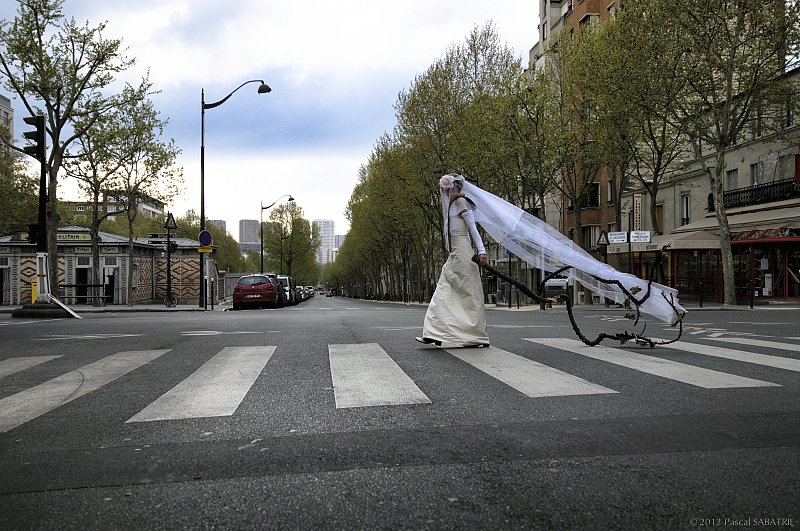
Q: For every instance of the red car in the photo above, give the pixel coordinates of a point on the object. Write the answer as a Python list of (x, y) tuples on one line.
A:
[(255, 290)]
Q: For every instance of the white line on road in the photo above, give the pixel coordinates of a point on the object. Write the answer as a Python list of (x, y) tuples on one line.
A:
[(760, 343), (739, 355), (86, 336), (31, 403), (214, 390), (526, 376), (364, 375), (664, 368), (12, 365)]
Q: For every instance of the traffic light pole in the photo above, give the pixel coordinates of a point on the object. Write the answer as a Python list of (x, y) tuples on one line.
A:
[(39, 151)]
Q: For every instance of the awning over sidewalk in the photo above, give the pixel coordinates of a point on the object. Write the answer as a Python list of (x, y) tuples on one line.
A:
[(700, 239), (766, 224)]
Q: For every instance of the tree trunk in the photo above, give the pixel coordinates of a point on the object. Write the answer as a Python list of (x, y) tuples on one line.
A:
[(726, 253)]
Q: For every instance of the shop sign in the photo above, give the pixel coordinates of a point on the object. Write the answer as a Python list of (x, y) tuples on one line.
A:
[(74, 237)]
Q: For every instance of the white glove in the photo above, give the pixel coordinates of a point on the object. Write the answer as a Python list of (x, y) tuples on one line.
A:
[(473, 230)]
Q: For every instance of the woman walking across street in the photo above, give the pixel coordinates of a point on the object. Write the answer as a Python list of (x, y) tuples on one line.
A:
[(456, 315)]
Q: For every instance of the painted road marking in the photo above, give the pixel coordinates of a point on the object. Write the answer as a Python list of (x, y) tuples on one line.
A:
[(526, 376), (673, 370), (364, 375), (214, 390), (43, 398), (12, 365)]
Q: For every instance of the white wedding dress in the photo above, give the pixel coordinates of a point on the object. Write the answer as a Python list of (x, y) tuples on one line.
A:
[(456, 315)]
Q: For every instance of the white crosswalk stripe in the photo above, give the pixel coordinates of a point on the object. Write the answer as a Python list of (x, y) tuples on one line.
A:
[(759, 343), (31, 403), (790, 364), (526, 376), (650, 364), (12, 365), (365, 375), (214, 390)]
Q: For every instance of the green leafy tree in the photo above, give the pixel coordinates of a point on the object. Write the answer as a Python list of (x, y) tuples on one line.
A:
[(62, 70), (737, 55), (18, 190)]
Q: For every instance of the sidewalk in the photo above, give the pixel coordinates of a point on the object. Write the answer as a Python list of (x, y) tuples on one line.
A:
[(121, 308)]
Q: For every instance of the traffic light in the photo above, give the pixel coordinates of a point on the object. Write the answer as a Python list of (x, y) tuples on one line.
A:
[(37, 150)]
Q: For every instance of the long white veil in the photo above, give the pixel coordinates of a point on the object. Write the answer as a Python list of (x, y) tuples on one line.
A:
[(542, 246)]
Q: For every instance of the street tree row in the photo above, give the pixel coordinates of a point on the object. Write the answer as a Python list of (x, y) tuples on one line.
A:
[(637, 98)]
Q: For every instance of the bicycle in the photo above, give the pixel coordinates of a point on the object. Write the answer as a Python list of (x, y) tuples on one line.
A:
[(170, 301)]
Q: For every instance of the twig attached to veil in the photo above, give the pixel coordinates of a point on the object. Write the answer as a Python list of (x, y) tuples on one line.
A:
[(622, 337)]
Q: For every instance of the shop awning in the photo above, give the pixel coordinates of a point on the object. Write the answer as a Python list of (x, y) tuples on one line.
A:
[(700, 239), (781, 223)]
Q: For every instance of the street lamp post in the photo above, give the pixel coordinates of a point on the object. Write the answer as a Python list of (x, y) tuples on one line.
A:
[(263, 88), (263, 208)]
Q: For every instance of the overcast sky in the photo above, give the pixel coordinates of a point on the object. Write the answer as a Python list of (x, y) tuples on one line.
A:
[(335, 69)]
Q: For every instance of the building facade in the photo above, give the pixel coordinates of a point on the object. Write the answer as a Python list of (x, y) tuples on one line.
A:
[(148, 266), (248, 231), (324, 230)]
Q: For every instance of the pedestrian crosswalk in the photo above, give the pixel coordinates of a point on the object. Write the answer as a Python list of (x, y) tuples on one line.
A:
[(364, 375)]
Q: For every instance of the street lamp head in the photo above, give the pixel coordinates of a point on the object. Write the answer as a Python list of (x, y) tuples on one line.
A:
[(264, 88), (290, 198)]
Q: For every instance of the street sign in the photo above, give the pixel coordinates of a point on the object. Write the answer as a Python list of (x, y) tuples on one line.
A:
[(205, 249), (618, 237), (640, 236), (603, 239), (170, 224), (204, 238)]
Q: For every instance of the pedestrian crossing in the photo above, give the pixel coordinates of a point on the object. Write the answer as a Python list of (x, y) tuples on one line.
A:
[(365, 375)]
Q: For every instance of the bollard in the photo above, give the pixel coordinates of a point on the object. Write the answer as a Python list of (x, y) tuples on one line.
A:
[(701, 294)]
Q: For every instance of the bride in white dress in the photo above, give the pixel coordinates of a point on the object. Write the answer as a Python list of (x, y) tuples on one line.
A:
[(456, 315)]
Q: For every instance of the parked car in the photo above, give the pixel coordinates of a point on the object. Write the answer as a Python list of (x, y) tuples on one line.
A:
[(288, 287), (299, 293), (310, 291), (281, 302), (254, 290)]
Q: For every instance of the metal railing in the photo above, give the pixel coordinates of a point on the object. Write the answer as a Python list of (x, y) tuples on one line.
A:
[(762, 193)]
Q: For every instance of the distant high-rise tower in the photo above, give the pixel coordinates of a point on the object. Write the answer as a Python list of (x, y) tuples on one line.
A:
[(219, 224), (323, 228), (248, 231)]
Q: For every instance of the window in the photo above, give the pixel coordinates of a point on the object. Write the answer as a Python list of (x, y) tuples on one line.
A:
[(544, 30), (592, 196), (80, 208), (135, 279), (84, 261), (4, 261), (612, 227), (785, 168), (659, 219), (732, 179), (756, 173), (591, 233), (684, 209), (110, 261), (612, 192)]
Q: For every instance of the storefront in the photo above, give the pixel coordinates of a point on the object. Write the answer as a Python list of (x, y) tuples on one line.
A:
[(766, 257)]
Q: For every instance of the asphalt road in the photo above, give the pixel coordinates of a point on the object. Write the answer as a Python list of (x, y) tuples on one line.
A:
[(328, 415)]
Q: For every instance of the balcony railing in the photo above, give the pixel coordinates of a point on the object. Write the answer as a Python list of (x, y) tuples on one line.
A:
[(761, 193)]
